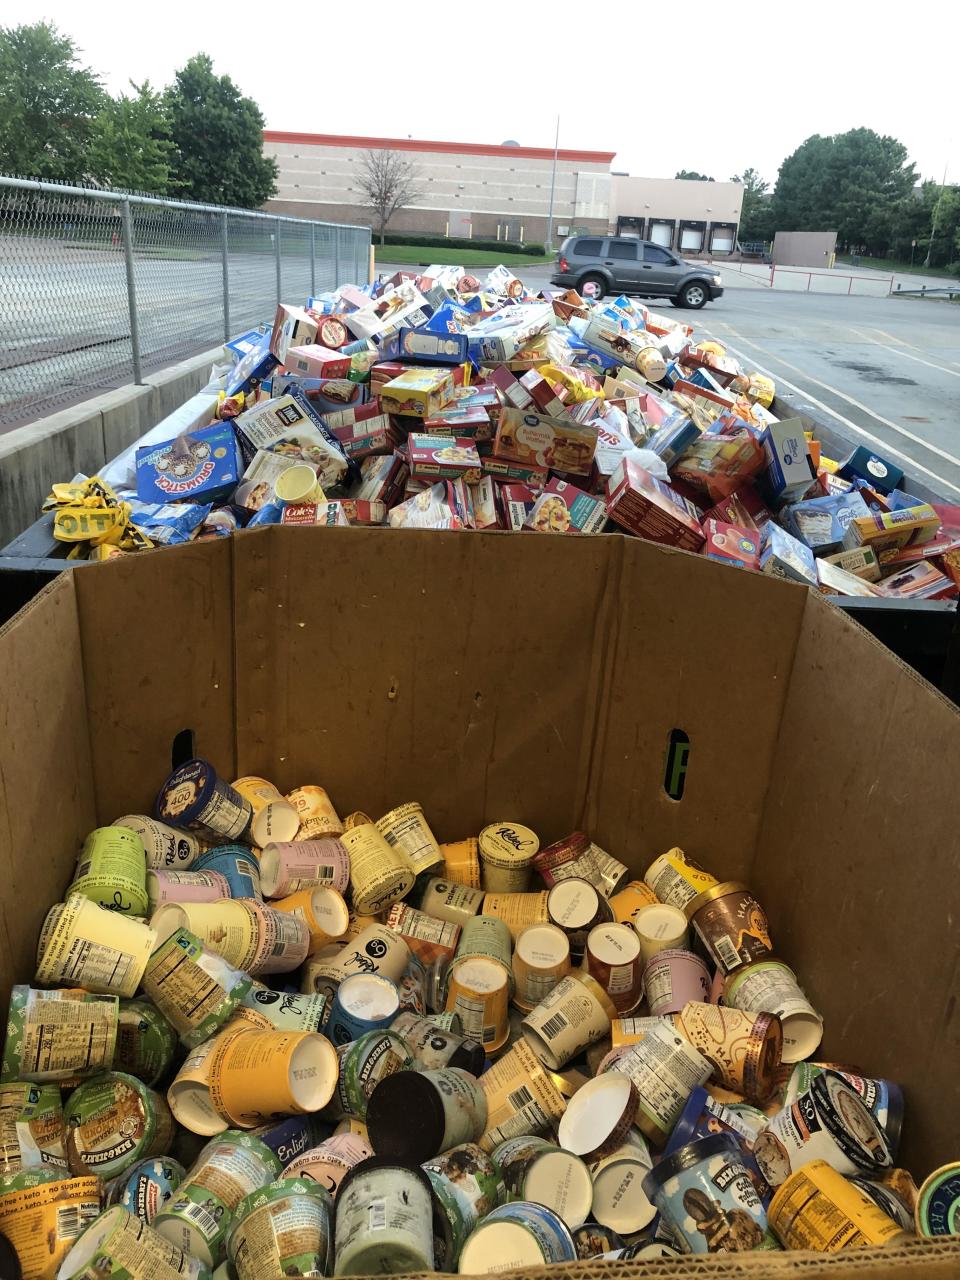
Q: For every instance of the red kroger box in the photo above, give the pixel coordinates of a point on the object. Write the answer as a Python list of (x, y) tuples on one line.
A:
[(317, 361), (196, 465)]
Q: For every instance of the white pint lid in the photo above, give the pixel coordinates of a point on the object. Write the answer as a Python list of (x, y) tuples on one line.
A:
[(330, 911), (542, 946), (193, 1107), (573, 903), (613, 944), (499, 1246), (369, 996), (562, 1182), (659, 920), (277, 821), (166, 920)]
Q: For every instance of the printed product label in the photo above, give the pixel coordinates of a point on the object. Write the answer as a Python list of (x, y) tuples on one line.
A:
[(91, 963), (43, 1222), (815, 1210), (228, 1171), (406, 828), (196, 989), (52, 1035), (107, 1124), (665, 1070), (31, 1128), (288, 1235), (521, 1097), (379, 874)]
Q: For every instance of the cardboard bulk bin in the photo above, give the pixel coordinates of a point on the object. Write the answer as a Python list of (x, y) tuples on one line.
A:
[(538, 679)]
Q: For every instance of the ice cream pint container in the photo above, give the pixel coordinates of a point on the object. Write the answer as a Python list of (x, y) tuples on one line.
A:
[(517, 1236), (534, 1169), (59, 1034), (323, 911), (769, 986), (31, 1128), (575, 1014), (119, 1245), (376, 949), (676, 879), (522, 1096), (283, 1010), (431, 940), (467, 1184), (660, 927), (938, 1203), (165, 848), (448, 900), (238, 867), (744, 1048), (42, 1213), (286, 867), (330, 1161), (576, 907), (478, 991), (147, 1186), (630, 899), (461, 862), (262, 1075), (284, 1229), (541, 958), (817, 1208), (274, 817), (516, 910), (449, 1105), (507, 850), (666, 1070), (380, 875), (732, 926), (406, 828), (384, 1220), (364, 1002), (146, 1042), (184, 886), (82, 944), (672, 979), (613, 958), (194, 798), (364, 1063), (196, 990), (706, 1197), (434, 1047), (111, 870), (619, 1201), (318, 817), (227, 927), (112, 1122)]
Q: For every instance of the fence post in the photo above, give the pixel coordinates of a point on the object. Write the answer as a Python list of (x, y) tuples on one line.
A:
[(336, 258), (279, 266), (225, 259), (126, 221), (313, 259)]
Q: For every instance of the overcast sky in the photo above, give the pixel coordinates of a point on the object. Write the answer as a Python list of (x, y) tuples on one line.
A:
[(708, 86)]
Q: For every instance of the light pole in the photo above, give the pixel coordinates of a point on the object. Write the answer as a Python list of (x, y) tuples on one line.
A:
[(553, 187), (936, 214)]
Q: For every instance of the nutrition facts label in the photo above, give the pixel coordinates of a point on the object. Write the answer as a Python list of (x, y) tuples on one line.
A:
[(67, 1035), (665, 1070)]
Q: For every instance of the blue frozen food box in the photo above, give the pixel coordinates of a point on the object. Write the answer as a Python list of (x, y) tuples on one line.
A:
[(822, 522), (671, 441), (784, 556), (198, 464), (257, 364), (246, 342), (878, 472)]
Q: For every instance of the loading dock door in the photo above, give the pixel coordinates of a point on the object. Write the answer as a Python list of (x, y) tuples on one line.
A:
[(721, 240), (691, 239), (661, 233)]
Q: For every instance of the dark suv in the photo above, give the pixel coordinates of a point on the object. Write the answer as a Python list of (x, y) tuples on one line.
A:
[(624, 264)]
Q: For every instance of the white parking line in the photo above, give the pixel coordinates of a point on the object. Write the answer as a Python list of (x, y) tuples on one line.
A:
[(897, 351), (881, 445), (857, 404)]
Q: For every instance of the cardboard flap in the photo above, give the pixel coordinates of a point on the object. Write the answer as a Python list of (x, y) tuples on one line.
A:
[(859, 867), (46, 780), (686, 638), (157, 634), (459, 670)]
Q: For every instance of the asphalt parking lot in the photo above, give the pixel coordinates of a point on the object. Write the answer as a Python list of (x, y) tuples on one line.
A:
[(884, 372)]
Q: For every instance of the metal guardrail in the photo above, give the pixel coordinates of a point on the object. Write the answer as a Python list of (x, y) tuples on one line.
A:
[(99, 287), (924, 291)]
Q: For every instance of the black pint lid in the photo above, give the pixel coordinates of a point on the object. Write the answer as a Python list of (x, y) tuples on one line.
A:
[(405, 1118), (371, 1164)]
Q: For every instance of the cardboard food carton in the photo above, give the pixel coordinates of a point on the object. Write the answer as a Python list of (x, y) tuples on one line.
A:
[(381, 480), (292, 327), (731, 544), (744, 507), (483, 496), (716, 465), (784, 556), (862, 561), (330, 514), (789, 472), (444, 457), (835, 581), (822, 523), (452, 420), (866, 465), (373, 435), (376, 316), (250, 371), (674, 438), (326, 395), (417, 393), (355, 413), (514, 504), (646, 506), (199, 464), (563, 508), (541, 441), (882, 530), (436, 507), (505, 334), (256, 489), (921, 581), (317, 362), (548, 398), (421, 347), (514, 392), (289, 425)]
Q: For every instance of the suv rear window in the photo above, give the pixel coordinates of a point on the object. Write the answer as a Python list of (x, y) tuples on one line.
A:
[(653, 253), (588, 248)]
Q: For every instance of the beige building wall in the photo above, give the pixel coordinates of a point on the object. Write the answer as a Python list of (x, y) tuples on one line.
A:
[(463, 185), (674, 198)]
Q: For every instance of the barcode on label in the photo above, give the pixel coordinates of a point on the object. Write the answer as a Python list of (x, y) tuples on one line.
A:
[(72, 1219), (83, 869), (325, 873), (554, 1026), (378, 1215), (489, 1034), (520, 1097), (205, 1220), (728, 953)]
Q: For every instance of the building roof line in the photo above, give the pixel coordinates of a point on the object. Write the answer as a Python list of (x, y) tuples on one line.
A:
[(362, 143)]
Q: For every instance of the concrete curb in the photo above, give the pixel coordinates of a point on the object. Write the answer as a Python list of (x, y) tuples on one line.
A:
[(86, 436)]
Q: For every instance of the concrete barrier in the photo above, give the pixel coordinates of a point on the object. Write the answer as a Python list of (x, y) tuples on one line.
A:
[(84, 437)]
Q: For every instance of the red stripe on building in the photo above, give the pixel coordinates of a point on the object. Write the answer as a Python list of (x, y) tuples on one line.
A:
[(418, 144)]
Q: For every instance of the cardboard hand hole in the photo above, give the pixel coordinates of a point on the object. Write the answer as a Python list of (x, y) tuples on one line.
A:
[(678, 761), (182, 749)]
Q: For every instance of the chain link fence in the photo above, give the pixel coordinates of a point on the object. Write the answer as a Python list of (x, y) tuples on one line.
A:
[(98, 288)]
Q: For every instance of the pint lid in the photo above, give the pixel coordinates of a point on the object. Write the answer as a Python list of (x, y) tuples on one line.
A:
[(715, 891), (372, 1163), (938, 1202), (850, 1121), (560, 1180), (498, 1246), (598, 1117), (405, 1117), (702, 1149), (573, 903)]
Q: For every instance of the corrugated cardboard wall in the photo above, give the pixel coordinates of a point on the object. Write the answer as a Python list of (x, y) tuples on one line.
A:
[(858, 866), (46, 777)]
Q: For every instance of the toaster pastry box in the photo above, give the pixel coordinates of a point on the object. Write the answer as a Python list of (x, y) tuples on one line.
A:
[(529, 389), (572, 996)]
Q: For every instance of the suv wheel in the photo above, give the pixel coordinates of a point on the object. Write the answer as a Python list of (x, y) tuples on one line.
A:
[(597, 280), (693, 295)]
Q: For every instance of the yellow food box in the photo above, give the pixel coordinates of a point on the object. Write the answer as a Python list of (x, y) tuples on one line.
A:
[(418, 393)]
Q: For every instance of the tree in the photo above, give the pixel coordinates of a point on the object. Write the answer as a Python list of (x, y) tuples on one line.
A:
[(691, 175), (130, 145), (218, 139), (388, 181), (756, 221), (851, 183), (48, 103)]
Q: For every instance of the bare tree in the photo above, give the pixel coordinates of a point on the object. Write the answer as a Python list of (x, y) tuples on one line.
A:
[(388, 181)]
